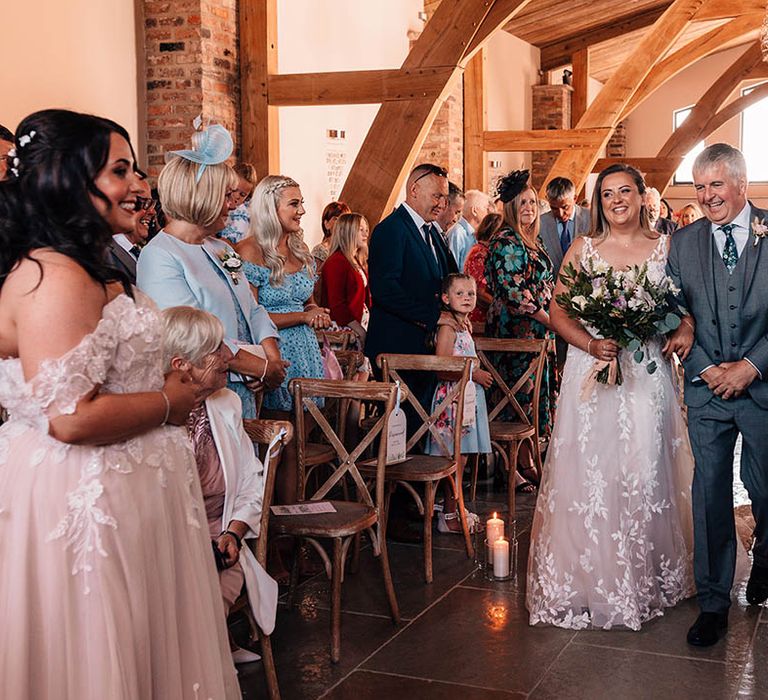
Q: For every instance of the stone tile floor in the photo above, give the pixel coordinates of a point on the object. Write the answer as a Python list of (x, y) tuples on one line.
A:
[(464, 634)]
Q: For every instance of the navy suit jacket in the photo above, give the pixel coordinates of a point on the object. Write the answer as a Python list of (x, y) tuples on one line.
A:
[(405, 280)]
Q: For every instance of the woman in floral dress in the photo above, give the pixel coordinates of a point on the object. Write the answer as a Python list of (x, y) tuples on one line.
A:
[(520, 279)]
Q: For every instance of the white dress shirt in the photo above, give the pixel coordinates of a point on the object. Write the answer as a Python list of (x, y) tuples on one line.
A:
[(122, 240), (740, 231)]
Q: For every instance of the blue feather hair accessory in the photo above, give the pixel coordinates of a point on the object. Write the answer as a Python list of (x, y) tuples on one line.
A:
[(211, 146)]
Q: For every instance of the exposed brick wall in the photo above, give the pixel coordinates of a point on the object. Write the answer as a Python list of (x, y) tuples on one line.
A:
[(191, 68), (444, 144), (551, 110)]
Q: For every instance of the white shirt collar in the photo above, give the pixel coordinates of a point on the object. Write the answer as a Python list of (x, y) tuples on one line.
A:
[(417, 218), (122, 240), (741, 220)]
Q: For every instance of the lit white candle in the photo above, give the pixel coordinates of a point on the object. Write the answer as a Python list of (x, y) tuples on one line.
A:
[(494, 528), (501, 558)]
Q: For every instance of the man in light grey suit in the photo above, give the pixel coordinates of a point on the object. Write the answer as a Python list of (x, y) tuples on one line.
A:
[(564, 221), (720, 264)]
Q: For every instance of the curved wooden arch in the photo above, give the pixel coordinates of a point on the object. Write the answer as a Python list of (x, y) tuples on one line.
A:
[(457, 30), (703, 119), (693, 51), (606, 109)]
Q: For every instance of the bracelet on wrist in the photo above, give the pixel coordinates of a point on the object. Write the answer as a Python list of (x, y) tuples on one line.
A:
[(264, 372), (589, 346), (238, 539), (167, 407)]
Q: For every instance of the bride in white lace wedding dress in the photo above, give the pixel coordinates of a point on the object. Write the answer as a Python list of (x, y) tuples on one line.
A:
[(108, 589), (611, 544)]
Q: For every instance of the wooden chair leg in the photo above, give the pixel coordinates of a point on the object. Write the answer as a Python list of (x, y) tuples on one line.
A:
[(459, 493), (268, 659), (475, 469), (354, 563), (429, 507), (387, 573), (336, 575), (515, 449), (294, 580)]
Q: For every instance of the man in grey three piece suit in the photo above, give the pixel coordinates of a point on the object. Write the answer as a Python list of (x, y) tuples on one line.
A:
[(720, 264), (564, 221)]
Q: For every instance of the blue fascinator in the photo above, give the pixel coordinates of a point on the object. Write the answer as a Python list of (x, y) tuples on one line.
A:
[(211, 146)]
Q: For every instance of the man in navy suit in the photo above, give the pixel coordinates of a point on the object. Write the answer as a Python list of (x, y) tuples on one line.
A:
[(407, 261)]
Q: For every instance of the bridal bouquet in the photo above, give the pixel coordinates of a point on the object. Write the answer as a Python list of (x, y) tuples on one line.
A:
[(624, 305)]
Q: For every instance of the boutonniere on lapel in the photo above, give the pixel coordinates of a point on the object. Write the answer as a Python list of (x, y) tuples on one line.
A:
[(759, 230), (232, 264)]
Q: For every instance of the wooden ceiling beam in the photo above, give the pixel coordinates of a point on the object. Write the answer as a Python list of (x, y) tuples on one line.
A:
[(690, 53), (260, 138), (475, 121), (458, 28), (559, 53), (735, 108), (357, 87), (606, 109), (579, 97), (543, 139), (723, 9), (703, 115)]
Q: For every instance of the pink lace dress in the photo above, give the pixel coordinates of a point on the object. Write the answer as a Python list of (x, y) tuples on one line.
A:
[(108, 588)]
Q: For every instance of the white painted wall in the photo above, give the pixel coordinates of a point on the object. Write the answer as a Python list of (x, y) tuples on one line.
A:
[(76, 54)]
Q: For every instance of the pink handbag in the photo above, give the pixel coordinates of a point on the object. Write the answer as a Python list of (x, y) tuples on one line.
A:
[(331, 366)]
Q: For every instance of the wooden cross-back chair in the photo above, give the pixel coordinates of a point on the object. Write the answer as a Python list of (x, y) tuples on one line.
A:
[(508, 435), (341, 339), (320, 453), (422, 468), (349, 518), (279, 433)]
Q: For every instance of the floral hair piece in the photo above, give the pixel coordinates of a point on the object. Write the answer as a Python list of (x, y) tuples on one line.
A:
[(510, 185), (13, 154), (211, 146)]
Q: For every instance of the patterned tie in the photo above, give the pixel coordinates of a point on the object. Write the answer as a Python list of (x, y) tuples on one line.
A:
[(565, 237), (730, 254), (136, 251)]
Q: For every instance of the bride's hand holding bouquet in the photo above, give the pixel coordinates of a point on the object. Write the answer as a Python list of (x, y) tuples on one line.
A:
[(625, 306)]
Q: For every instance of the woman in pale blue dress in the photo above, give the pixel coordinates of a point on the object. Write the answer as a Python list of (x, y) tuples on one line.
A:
[(281, 271), (184, 264)]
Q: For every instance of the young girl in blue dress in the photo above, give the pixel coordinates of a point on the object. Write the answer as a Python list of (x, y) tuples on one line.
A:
[(454, 338)]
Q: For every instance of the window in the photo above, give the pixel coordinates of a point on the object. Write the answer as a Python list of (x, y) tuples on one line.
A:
[(684, 174), (754, 137)]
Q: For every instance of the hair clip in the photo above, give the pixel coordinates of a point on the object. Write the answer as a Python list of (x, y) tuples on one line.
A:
[(211, 146)]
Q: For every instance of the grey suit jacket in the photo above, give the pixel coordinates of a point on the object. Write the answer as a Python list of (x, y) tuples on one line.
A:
[(550, 235), (690, 266), (121, 259)]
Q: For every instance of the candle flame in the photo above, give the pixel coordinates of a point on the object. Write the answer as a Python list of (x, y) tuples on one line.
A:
[(494, 515)]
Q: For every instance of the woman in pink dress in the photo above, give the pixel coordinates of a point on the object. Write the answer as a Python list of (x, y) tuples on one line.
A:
[(108, 585)]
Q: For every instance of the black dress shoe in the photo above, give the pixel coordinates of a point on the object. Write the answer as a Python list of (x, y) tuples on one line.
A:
[(757, 587), (707, 629)]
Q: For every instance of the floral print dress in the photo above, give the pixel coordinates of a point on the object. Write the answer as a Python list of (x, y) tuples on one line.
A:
[(521, 282)]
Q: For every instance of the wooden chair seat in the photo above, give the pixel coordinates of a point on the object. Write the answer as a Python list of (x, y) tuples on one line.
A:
[(349, 519), (416, 468), (506, 431)]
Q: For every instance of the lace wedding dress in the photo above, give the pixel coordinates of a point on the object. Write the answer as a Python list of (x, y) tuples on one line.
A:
[(612, 531), (108, 590)]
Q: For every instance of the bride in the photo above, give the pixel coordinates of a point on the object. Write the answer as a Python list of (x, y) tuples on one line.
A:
[(612, 532)]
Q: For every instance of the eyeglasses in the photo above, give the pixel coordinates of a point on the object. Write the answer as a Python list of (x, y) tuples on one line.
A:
[(430, 169), (144, 203)]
